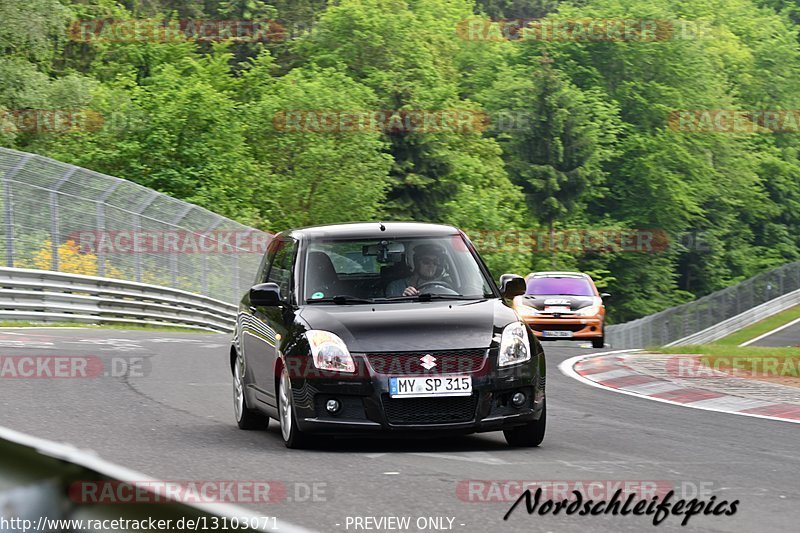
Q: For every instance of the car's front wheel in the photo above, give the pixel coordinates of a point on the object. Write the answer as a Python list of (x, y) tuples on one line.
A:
[(292, 436), (245, 417), (529, 435)]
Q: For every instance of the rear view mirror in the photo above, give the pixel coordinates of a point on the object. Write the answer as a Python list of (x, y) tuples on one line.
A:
[(605, 295), (266, 294), (385, 252), (512, 285)]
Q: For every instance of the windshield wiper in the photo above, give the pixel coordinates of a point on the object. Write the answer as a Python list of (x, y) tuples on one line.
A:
[(427, 297), (340, 299)]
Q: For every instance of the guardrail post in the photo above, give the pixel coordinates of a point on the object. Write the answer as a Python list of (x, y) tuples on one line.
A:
[(55, 236), (9, 208), (204, 260), (137, 222), (173, 257), (100, 204)]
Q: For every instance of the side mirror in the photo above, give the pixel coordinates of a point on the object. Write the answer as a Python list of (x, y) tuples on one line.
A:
[(266, 294), (605, 295), (512, 285)]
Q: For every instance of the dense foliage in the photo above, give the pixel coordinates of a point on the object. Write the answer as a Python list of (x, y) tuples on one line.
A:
[(197, 119)]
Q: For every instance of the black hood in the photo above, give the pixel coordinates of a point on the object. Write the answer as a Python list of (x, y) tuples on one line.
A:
[(412, 326), (539, 302)]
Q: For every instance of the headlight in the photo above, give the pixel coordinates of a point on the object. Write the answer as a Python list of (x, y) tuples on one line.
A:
[(329, 352), (588, 311), (526, 310), (514, 345)]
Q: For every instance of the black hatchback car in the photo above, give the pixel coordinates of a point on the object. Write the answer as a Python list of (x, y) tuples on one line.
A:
[(376, 328)]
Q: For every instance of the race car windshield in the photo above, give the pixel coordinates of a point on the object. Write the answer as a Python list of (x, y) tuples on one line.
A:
[(375, 270), (559, 286)]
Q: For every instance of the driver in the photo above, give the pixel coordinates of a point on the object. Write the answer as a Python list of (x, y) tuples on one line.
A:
[(428, 267)]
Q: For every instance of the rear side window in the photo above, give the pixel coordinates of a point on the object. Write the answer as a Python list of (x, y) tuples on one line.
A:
[(280, 270)]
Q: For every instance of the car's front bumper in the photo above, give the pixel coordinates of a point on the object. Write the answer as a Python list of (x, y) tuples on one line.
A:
[(580, 327), (368, 408)]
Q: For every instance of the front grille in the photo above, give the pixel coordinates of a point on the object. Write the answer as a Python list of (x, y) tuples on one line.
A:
[(558, 327), (447, 362), (448, 410)]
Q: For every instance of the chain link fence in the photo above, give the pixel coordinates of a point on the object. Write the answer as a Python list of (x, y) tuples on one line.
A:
[(65, 218), (679, 322)]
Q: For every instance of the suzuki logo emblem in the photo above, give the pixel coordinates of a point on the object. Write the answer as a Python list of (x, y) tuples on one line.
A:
[(428, 362)]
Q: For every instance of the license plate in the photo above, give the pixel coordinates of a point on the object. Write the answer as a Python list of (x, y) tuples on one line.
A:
[(556, 309), (416, 387), (551, 333)]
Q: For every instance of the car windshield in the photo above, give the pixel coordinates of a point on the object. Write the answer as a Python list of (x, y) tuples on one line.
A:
[(379, 270), (560, 286)]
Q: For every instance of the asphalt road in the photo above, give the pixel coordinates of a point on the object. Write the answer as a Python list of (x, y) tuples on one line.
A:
[(789, 336), (175, 421)]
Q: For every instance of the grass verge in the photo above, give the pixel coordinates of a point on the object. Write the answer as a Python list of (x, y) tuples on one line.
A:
[(759, 328)]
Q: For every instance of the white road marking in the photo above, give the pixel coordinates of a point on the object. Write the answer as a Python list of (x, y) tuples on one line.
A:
[(733, 403), (471, 457), (653, 388), (772, 332), (611, 374)]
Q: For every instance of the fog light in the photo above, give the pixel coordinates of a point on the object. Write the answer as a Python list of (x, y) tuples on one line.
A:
[(333, 406), (518, 399)]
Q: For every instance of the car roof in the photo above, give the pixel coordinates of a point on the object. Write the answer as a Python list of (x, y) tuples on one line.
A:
[(372, 230)]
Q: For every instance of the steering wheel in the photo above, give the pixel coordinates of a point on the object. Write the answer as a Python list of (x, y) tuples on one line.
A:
[(437, 283)]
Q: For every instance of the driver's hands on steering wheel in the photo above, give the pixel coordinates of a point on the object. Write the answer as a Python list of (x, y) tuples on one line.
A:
[(410, 291)]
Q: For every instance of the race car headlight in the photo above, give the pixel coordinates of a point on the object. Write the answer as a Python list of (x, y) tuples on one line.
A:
[(329, 352), (514, 345), (526, 310), (588, 311)]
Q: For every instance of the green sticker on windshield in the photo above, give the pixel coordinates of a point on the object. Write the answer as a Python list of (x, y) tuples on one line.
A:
[(317, 295)]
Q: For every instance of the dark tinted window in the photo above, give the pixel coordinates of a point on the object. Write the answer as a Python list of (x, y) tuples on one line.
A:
[(562, 286), (280, 271)]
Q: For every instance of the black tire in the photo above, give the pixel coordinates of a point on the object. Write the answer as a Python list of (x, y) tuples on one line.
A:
[(599, 342), (246, 418), (530, 435), (292, 436)]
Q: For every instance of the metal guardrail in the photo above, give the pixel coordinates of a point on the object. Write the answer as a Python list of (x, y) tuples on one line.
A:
[(673, 325), (46, 296), (51, 209), (751, 316)]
